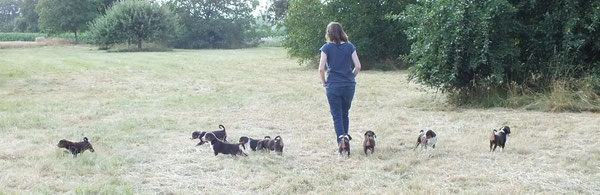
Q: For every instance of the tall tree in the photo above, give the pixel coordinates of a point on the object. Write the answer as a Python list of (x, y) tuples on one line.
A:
[(28, 19), (9, 10), (215, 23), (370, 24), (275, 10), (133, 20), (462, 47), (57, 16), (103, 5)]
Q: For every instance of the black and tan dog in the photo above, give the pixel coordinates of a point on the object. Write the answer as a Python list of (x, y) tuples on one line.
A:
[(220, 134), (499, 138), (425, 139), (76, 147), (344, 145), (369, 143), (252, 143), (219, 146), (276, 144), (263, 144)]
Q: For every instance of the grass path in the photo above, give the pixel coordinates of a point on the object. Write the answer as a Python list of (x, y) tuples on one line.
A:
[(139, 109)]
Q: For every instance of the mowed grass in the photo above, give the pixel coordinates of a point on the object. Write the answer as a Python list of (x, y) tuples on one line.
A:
[(139, 109)]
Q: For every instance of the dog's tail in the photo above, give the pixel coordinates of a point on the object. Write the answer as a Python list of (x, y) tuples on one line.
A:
[(493, 137), (222, 127)]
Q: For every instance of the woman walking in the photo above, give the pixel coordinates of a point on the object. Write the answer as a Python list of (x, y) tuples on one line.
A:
[(339, 55)]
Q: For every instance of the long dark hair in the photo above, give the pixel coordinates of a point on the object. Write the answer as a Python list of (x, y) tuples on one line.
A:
[(335, 33)]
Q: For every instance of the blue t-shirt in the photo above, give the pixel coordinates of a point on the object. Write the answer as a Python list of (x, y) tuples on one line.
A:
[(339, 64)]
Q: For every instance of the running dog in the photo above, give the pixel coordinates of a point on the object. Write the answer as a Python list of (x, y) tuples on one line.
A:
[(425, 139), (219, 146), (76, 147), (220, 134)]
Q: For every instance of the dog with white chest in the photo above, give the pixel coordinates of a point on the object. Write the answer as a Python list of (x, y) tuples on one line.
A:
[(220, 134), (344, 145), (425, 139)]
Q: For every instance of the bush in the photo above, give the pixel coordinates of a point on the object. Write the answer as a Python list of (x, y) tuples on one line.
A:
[(480, 51), (371, 26), (305, 29), (462, 47), (133, 21)]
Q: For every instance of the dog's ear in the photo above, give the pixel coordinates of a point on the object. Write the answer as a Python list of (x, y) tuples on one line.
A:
[(366, 132), (85, 139), (341, 136), (349, 137), (374, 136)]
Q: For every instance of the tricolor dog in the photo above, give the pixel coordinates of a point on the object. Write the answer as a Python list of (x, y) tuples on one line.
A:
[(76, 147), (220, 134), (425, 139), (276, 144), (219, 146), (263, 144), (499, 138), (252, 143), (344, 145)]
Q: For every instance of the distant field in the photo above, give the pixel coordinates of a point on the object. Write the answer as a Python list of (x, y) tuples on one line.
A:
[(139, 109)]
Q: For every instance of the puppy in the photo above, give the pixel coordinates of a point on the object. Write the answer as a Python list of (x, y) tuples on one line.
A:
[(76, 147), (220, 134), (425, 139), (369, 143), (276, 145), (263, 144), (344, 145), (219, 146), (249, 142), (499, 138)]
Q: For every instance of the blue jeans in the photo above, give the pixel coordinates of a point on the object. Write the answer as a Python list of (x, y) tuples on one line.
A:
[(340, 99)]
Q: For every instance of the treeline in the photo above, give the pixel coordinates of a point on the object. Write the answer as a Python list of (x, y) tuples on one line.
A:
[(472, 50), (177, 23)]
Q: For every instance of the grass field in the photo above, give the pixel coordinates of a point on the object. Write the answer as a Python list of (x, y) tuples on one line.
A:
[(139, 109)]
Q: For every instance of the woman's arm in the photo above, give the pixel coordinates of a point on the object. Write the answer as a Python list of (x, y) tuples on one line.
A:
[(357, 65), (322, 67)]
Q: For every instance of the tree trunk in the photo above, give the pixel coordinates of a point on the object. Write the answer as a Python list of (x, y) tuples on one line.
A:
[(139, 44), (76, 39)]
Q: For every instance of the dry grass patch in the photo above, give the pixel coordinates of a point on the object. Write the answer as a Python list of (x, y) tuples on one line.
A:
[(139, 109)]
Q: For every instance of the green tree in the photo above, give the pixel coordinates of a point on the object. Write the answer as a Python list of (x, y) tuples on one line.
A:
[(305, 24), (275, 10), (559, 39), (215, 23), (134, 20), (371, 26), (57, 16), (28, 19), (460, 46), (9, 10), (103, 5)]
